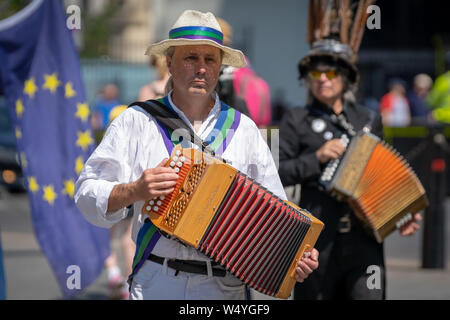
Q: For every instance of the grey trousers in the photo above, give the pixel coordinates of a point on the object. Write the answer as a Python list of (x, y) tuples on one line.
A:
[(159, 282)]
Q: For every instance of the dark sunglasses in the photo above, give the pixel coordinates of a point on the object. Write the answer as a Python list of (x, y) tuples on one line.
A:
[(316, 74)]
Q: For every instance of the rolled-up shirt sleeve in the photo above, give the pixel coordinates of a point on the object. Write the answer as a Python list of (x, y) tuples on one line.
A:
[(107, 166), (267, 171)]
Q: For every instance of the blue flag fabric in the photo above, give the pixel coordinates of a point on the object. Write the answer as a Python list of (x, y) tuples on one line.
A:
[(41, 80)]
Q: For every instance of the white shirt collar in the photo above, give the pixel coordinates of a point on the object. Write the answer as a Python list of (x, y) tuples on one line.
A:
[(210, 119)]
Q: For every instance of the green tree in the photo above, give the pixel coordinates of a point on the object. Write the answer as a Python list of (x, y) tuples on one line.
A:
[(10, 7), (97, 30)]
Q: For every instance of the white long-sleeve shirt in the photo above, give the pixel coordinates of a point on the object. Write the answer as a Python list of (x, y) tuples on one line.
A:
[(133, 143)]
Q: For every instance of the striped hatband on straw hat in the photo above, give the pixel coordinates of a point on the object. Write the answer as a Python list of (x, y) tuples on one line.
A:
[(198, 28)]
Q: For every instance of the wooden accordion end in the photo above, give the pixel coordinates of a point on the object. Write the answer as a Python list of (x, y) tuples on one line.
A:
[(378, 184), (230, 218)]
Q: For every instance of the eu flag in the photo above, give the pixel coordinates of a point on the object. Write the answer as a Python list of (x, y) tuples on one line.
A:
[(41, 80)]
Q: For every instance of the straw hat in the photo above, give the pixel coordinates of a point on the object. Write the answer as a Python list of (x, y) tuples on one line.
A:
[(197, 28)]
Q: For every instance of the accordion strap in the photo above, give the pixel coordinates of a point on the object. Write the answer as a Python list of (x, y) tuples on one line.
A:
[(172, 120)]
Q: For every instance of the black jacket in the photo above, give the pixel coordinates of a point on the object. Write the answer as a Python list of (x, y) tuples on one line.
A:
[(299, 164)]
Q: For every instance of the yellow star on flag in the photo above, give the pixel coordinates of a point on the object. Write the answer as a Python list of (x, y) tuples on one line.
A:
[(69, 92), (30, 87), (18, 133), (19, 108), (33, 185), (84, 139), (82, 111), (69, 188), (49, 194), (51, 82), (79, 164)]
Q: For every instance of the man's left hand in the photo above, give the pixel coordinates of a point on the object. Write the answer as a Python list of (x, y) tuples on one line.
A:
[(410, 227), (307, 265)]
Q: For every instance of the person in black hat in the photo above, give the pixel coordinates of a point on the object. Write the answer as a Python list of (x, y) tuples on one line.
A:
[(351, 263)]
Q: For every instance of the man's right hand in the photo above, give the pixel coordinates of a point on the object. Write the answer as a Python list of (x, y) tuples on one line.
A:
[(156, 182), (330, 150)]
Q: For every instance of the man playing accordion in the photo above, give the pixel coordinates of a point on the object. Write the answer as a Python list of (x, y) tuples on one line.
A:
[(128, 165)]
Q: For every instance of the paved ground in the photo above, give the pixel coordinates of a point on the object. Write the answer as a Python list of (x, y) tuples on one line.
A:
[(28, 275)]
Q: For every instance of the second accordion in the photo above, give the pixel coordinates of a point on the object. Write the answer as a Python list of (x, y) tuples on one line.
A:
[(378, 183), (235, 221)]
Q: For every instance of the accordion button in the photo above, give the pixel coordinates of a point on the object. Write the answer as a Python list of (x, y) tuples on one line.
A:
[(178, 152), (179, 164), (152, 202), (155, 208), (177, 170), (148, 208), (175, 158), (182, 159), (162, 197), (172, 163), (158, 203)]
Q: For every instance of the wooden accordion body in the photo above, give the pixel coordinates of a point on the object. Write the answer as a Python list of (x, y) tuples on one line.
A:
[(378, 184), (230, 218)]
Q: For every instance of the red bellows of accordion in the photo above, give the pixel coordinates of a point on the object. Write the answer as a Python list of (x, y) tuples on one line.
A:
[(233, 220), (255, 235)]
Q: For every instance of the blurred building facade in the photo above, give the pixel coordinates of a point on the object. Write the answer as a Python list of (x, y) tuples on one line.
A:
[(133, 25), (413, 38), (273, 39)]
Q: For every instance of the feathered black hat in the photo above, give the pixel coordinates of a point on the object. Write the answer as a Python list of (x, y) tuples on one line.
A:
[(335, 34)]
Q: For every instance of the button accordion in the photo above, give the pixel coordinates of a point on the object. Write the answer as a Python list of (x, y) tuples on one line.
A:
[(235, 221), (377, 182)]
